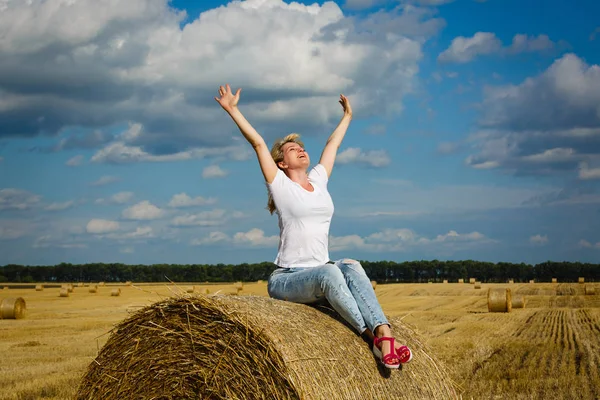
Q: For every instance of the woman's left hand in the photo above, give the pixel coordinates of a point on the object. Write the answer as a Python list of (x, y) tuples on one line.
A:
[(346, 105)]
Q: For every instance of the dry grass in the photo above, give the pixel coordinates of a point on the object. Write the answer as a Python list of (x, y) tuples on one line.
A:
[(550, 350)]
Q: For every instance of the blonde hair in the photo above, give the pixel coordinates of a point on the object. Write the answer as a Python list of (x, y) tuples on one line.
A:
[(277, 154)]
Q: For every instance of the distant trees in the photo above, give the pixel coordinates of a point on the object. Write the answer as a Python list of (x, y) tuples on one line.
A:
[(381, 271)]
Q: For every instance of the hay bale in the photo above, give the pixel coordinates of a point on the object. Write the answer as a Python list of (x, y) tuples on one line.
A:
[(191, 289), (115, 292), (511, 281), (12, 308), (101, 284), (477, 285), (93, 289), (64, 292), (259, 281), (554, 280), (472, 281), (531, 281), (39, 288), (250, 347), (461, 280), (374, 284), (206, 291), (70, 288), (581, 279), (445, 281), (589, 290), (80, 284), (499, 300), (518, 301), (239, 286)]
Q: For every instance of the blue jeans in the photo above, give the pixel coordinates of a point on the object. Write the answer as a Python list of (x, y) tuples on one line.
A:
[(345, 285)]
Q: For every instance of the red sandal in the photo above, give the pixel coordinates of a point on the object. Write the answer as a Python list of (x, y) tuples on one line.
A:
[(390, 360)]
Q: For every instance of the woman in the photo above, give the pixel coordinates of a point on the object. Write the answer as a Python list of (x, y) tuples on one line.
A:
[(304, 207)]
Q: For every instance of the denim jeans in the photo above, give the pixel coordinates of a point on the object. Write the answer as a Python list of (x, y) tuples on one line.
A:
[(344, 284)]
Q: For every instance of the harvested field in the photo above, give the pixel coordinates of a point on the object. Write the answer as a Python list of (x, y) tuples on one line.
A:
[(548, 350)]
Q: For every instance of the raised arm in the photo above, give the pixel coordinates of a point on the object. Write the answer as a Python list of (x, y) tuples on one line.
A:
[(335, 139), (229, 102)]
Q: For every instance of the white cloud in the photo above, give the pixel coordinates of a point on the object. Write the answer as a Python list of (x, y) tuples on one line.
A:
[(10, 232), (105, 180), (355, 155), (117, 198), (16, 199), (139, 233), (253, 238), (400, 240), (59, 206), (587, 173), (585, 244), (144, 210), (205, 218), (538, 239), (183, 200), (464, 49), (46, 241), (98, 226), (74, 161), (213, 171)]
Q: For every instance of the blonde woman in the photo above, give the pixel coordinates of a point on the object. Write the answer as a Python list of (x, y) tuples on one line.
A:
[(304, 207)]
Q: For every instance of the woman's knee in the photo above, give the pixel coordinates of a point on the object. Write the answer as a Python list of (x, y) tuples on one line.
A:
[(353, 265), (331, 275)]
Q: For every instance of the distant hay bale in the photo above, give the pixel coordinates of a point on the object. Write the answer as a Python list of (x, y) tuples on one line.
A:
[(246, 347), (39, 288), (477, 285), (191, 289), (499, 300), (461, 280), (115, 292), (581, 279), (531, 281), (374, 285), (80, 284), (206, 291), (64, 292), (590, 290), (430, 282), (511, 281), (70, 288), (12, 308), (259, 281), (472, 281), (239, 286), (128, 283), (101, 284), (518, 301), (445, 281), (554, 280), (93, 289)]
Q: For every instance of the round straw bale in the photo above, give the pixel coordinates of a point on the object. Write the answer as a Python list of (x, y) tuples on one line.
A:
[(12, 308), (499, 300), (191, 289), (461, 280), (80, 284), (252, 347), (531, 281), (239, 285), (115, 292), (554, 280), (206, 291), (581, 279), (518, 301), (128, 283), (101, 284), (93, 289), (511, 281), (39, 288), (374, 284), (477, 285), (64, 292), (70, 288), (590, 290), (472, 281), (445, 281)]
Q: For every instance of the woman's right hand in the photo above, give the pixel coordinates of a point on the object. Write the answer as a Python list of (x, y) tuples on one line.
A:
[(228, 100)]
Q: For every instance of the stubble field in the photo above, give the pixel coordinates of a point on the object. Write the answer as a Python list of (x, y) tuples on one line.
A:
[(548, 350)]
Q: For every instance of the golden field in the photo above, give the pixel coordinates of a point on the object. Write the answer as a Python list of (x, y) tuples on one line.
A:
[(548, 350)]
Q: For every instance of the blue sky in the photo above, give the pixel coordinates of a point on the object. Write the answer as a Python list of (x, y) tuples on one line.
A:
[(476, 129)]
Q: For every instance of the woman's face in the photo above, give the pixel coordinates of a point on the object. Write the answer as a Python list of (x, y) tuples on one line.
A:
[(294, 156)]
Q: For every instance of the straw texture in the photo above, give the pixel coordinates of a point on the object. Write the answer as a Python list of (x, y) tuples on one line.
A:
[(477, 285), (461, 280), (64, 292), (499, 300), (251, 347), (115, 292), (518, 301), (12, 308), (590, 290), (581, 279)]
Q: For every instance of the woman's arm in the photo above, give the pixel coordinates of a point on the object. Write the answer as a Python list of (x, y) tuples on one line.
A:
[(229, 101), (335, 139)]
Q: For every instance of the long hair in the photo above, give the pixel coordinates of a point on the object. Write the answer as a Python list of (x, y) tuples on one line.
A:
[(277, 155)]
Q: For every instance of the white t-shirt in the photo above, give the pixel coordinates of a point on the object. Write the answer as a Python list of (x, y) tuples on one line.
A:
[(304, 219)]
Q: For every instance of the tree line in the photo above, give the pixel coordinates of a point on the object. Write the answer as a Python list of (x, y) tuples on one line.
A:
[(380, 271)]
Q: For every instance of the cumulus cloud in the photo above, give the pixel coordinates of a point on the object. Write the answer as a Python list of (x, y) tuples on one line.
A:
[(117, 198), (74, 161), (547, 124), (464, 49), (405, 239), (355, 155), (253, 238), (105, 180), (59, 206), (205, 218), (538, 239), (144, 210), (10, 232), (135, 62), (587, 245), (213, 171), (17, 199), (141, 232), (99, 226), (183, 200)]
